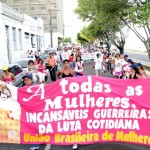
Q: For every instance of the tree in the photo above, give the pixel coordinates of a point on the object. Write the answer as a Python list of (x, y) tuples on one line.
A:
[(106, 28), (113, 13), (81, 39), (67, 40)]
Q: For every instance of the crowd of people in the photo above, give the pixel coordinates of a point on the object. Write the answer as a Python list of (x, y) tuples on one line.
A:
[(69, 63), (120, 66)]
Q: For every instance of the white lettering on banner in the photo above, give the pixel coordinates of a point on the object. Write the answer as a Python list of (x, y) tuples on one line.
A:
[(63, 84), (55, 104), (131, 91), (120, 113), (54, 116), (85, 100), (39, 92), (85, 87), (45, 129), (69, 126), (113, 124)]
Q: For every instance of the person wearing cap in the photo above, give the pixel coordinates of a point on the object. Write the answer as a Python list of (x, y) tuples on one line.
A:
[(135, 74), (7, 76), (27, 80), (98, 64), (141, 70), (130, 62)]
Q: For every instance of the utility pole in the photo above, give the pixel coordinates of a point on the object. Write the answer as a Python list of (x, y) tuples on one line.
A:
[(50, 30), (50, 22), (63, 34)]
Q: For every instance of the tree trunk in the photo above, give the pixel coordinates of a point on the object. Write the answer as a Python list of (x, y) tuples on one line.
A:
[(108, 46), (147, 45), (121, 49)]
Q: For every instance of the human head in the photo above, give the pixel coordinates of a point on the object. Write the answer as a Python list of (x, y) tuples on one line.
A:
[(50, 54), (117, 56), (5, 68), (66, 63), (134, 68), (125, 57), (97, 55), (121, 56), (130, 61), (113, 54), (140, 66), (37, 57), (27, 79), (78, 58), (31, 62), (40, 61)]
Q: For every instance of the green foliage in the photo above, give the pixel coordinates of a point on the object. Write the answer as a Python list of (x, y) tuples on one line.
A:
[(110, 16), (81, 39), (67, 40)]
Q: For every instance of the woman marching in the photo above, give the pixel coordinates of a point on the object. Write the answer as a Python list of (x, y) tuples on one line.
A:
[(78, 66), (66, 71), (32, 69), (41, 70)]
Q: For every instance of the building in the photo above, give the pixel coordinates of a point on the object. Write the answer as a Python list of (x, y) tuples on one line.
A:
[(19, 33), (51, 11)]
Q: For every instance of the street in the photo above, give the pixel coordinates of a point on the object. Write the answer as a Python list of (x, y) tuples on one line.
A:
[(138, 56)]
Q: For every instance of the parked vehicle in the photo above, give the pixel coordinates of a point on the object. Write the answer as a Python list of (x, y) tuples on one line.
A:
[(24, 62), (51, 50), (17, 71), (44, 56)]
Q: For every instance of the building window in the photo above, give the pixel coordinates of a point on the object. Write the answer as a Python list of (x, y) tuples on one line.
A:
[(54, 17), (23, 9), (31, 8), (54, 27), (43, 8), (16, 9), (14, 39), (20, 39)]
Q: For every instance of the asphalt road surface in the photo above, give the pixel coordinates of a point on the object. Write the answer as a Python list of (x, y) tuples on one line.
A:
[(138, 56), (98, 146)]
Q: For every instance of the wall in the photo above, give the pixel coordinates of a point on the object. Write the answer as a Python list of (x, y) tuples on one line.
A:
[(20, 32)]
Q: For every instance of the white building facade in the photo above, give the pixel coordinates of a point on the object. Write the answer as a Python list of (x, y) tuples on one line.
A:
[(51, 11), (19, 33)]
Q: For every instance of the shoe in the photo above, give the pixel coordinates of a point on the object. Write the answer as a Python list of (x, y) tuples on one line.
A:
[(75, 146)]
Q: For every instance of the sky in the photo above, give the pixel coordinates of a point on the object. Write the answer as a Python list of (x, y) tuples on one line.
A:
[(72, 24)]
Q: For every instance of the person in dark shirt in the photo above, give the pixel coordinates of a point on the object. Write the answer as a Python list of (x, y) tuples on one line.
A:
[(135, 74), (66, 71)]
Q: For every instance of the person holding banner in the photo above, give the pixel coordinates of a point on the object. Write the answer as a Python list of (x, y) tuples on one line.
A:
[(66, 71), (78, 66), (135, 74), (7, 76), (141, 70), (28, 81)]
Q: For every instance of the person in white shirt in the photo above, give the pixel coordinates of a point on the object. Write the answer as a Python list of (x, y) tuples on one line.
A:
[(98, 64), (65, 55), (118, 66)]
